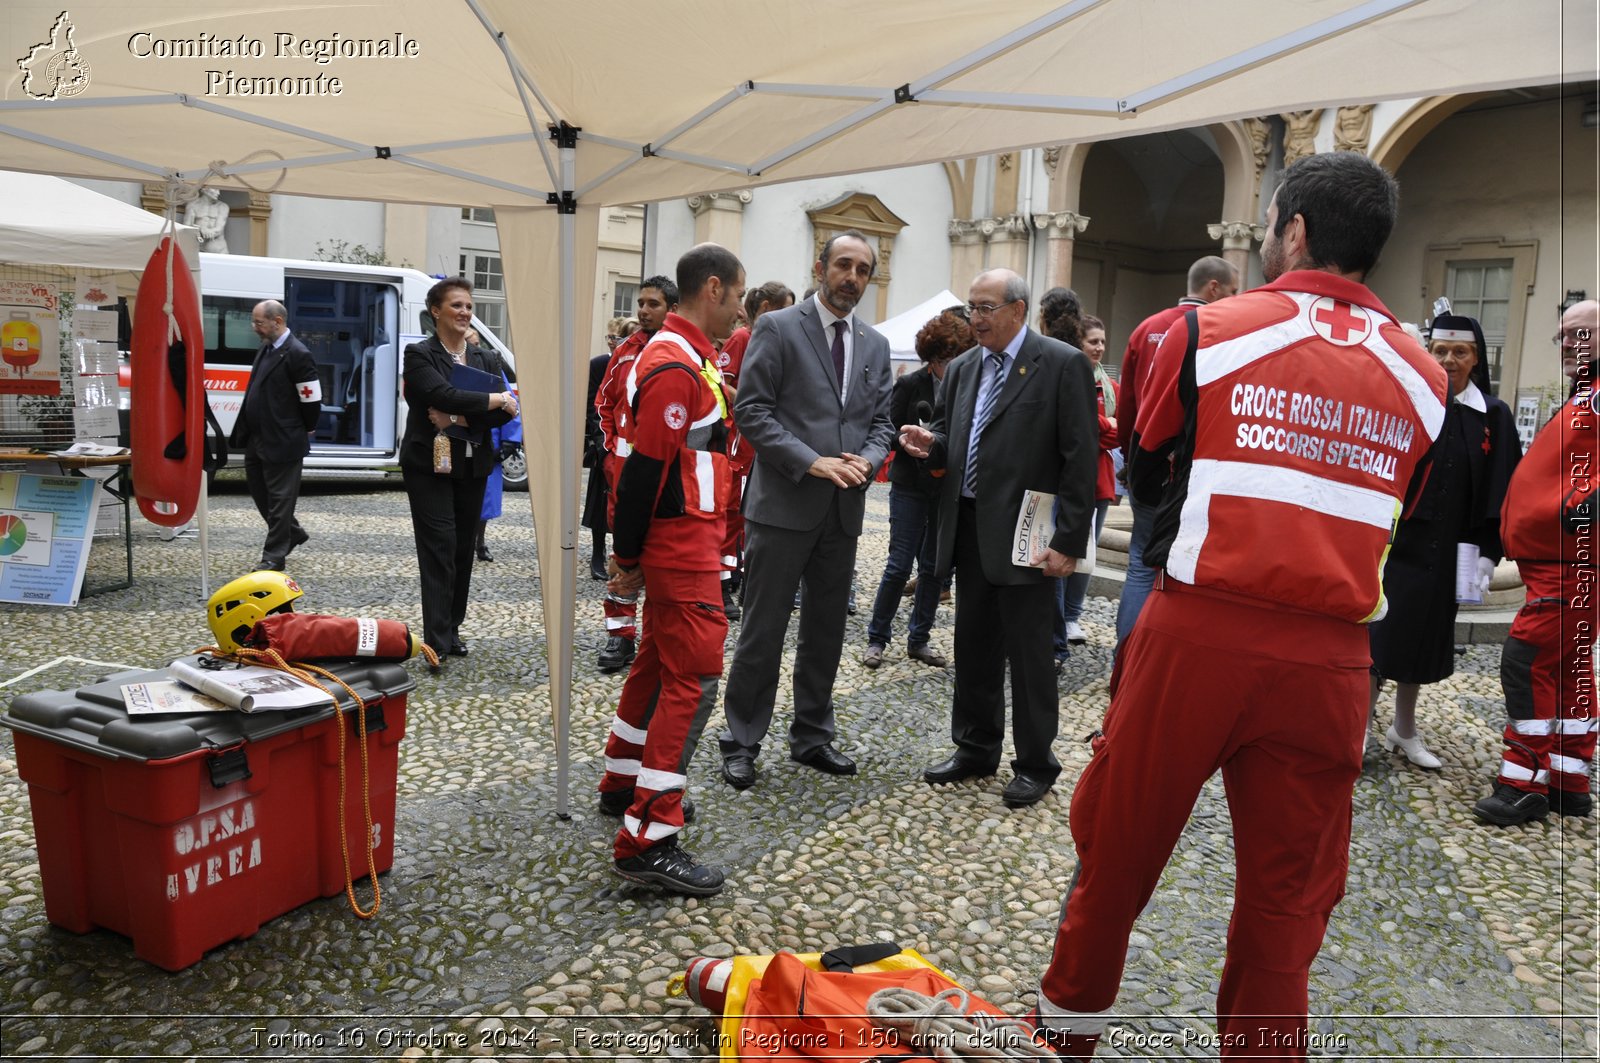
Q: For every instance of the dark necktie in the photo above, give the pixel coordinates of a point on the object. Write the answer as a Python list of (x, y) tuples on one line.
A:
[(838, 353), (981, 416)]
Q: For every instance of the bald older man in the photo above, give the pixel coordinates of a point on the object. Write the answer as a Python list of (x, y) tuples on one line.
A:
[(1547, 524), (1017, 413), (280, 409)]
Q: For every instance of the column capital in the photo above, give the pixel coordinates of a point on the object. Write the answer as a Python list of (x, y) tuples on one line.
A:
[(1236, 234), (730, 201), (1062, 224)]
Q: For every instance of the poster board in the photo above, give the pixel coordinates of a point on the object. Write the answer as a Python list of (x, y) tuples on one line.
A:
[(30, 338), (45, 532)]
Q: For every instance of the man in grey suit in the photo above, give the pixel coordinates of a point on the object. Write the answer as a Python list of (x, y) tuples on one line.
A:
[(814, 403), (1017, 414)]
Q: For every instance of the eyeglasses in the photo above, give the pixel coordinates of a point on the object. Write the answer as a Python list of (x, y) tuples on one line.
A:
[(1582, 335), (985, 309)]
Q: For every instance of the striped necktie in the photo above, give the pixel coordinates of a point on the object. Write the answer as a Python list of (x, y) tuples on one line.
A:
[(981, 417)]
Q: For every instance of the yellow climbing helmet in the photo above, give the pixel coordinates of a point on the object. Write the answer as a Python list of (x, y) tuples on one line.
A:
[(236, 606)]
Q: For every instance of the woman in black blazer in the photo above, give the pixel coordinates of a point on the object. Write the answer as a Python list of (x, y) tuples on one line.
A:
[(445, 505), (914, 499)]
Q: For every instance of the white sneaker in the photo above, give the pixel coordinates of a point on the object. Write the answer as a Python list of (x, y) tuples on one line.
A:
[(1075, 633), (1412, 747)]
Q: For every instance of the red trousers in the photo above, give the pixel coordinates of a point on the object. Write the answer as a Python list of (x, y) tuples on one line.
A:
[(1277, 700), (621, 613), (1547, 673), (666, 700)]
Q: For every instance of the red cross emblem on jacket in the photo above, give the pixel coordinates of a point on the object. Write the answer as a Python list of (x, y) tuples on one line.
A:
[(1339, 322)]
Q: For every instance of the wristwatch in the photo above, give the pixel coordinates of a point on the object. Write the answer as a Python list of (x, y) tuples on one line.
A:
[(452, 418)]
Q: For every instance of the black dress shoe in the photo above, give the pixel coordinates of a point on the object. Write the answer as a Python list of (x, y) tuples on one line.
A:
[(458, 648), (1025, 790), (828, 760), (598, 573), (954, 769), (298, 537), (484, 554), (740, 771)]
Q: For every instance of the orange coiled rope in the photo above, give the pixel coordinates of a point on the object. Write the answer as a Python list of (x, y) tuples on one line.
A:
[(307, 673)]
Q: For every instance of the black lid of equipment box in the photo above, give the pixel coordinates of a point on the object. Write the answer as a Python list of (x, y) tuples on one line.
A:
[(94, 719)]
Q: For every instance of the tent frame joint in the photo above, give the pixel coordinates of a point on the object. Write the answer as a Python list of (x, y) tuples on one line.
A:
[(564, 202), (380, 151), (565, 135), (903, 94)]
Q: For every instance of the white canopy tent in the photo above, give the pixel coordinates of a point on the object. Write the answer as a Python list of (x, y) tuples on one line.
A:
[(901, 330), (525, 108), (51, 222)]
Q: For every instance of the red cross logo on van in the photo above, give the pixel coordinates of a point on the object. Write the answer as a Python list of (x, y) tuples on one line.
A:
[(1340, 322)]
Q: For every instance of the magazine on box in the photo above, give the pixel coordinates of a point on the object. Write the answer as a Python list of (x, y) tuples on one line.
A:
[(249, 688), (1036, 526), (167, 696)]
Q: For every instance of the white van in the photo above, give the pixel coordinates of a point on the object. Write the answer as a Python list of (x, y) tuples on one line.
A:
[(356, 321)]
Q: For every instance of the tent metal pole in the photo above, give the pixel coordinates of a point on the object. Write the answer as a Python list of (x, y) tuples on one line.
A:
[(960, 66), (847, 92), (702, 160), (828, 132), (79, 149), (268, 123), (366, 152), (363, 155), (1064, 13), (561, 669), (1024, 101), (477, 179), (68, 104), (738, 92), (625, 164), (1266, 51), (520, 78)]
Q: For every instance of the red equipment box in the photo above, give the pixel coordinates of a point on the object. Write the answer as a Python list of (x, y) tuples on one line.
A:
[(185, 832)]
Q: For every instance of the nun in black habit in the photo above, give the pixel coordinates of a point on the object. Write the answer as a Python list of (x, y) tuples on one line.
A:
[(1458, 512)]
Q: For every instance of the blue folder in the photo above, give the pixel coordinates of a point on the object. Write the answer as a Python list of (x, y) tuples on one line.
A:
[(469, 378)]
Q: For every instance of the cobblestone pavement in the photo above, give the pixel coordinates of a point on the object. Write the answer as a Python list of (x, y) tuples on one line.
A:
[(503, 931)]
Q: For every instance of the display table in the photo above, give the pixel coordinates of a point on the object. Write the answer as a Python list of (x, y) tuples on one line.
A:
[(119, 483)]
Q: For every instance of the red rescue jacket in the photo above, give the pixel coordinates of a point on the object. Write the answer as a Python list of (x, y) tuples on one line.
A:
[(672, 493), (1294, 421)]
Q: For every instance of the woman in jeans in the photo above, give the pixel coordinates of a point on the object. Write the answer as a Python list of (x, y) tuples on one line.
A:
[(913, 498), (1076, 586)]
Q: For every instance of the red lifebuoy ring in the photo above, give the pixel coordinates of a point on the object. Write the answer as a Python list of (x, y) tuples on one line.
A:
[(167, 398)]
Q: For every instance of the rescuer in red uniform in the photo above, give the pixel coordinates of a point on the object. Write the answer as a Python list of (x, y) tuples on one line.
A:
[(1547, 666), (667, 532), (1286, 425), (613, 404)]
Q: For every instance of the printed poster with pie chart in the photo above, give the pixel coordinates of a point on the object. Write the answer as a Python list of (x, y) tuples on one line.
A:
[(46, 528)]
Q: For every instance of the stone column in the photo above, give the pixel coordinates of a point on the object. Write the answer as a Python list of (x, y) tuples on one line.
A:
[(719, 217), (1061, 230), (966, 254), (1007, 238), (1238, 238)]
